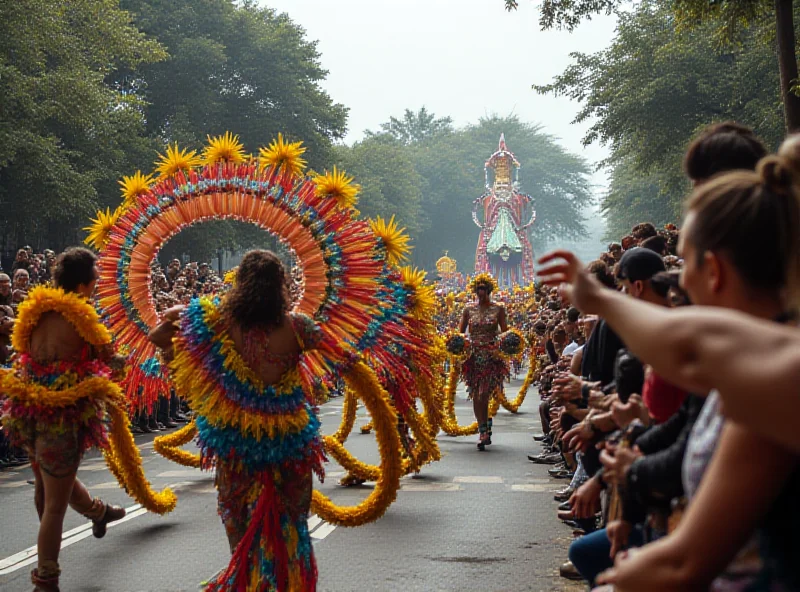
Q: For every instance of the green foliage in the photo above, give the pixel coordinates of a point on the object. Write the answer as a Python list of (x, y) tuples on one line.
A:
[(415, 127), (653, 89), (238, 67), (390, 185), (64, 132), (93, 89), (567, 14)]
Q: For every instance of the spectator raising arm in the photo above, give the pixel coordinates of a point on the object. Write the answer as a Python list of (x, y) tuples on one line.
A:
[(700, 348)]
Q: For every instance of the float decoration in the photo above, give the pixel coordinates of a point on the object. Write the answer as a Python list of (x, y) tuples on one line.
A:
[(503, 246)]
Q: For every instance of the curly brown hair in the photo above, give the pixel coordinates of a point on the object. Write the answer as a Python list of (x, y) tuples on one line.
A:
[(74, 268), (260, 298)]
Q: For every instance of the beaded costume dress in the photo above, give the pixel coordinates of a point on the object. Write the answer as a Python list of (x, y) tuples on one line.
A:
[(484, 370)]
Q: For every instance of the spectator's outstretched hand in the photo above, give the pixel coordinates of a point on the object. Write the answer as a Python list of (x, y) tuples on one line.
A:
[(568, 274)]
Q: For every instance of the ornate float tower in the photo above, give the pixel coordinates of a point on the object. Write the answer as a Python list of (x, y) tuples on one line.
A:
[(503, 247)]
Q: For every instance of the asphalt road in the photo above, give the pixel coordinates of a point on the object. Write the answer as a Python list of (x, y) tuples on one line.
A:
[(473, 521)]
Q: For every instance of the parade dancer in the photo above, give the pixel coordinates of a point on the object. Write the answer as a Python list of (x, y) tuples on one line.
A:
[(53, 408), (236, 361), (484, 370)]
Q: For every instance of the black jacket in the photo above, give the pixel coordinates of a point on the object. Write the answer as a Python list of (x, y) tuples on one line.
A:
[(656, 478), (600, 354)]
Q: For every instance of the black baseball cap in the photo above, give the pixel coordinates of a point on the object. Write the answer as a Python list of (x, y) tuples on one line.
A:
[(639, 264)]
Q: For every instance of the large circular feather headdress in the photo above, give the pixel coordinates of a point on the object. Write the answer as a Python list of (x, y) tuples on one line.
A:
[(363, 303)]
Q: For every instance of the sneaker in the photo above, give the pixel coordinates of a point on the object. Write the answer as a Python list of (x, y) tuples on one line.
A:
[(564, 494), (570, 572), (545, 459)]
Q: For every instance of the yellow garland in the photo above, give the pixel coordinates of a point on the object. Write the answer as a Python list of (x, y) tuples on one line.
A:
[(449, 422), (361, 378), (122, 455), (123, 459), (426, 449), (349, 408), (350, 463), (169, 446), (513, 406), (433, 412), (73, 307), (366, 428)]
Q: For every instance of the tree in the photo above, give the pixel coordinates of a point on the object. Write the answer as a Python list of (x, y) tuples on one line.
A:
[(234, 66), (390, 185), (64, 132), (634, 197), (415, 127), (651, 91), (728, 15)]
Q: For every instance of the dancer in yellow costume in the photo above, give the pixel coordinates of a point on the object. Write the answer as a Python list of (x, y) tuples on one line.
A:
[(60, 398)]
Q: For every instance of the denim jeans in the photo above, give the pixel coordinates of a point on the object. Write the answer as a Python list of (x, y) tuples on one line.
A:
[(590, 553)]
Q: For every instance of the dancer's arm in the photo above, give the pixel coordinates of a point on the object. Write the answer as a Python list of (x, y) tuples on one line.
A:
[(502, 320), (754, 364), (464, 321), (163, 333)]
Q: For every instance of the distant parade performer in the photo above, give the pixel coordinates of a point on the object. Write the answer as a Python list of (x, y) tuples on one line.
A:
[(236, 361), (61, 401), (484, 370)]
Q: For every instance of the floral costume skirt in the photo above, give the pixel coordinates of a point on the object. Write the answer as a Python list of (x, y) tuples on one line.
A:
[(254, 506), (484, 372)]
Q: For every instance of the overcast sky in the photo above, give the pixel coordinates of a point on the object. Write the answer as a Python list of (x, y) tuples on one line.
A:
[(462, 58)]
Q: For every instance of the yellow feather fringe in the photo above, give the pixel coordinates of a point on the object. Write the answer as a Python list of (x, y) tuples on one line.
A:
[(449, 422), (349, 408), (169, 446), (361, 378), (76, 309)]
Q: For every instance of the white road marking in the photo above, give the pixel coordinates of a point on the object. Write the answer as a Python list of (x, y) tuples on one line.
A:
[(313, 522), (416, 486), (30, 556), (93, 467), (182, 473), (535, 488), (477, 479), (106, 485), (13, 484), (324, 530)]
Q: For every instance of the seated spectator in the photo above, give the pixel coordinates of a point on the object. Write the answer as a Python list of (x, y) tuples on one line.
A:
[(5, 290), (21, 284)]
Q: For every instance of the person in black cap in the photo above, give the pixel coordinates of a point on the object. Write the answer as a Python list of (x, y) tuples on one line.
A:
[(635, 270)]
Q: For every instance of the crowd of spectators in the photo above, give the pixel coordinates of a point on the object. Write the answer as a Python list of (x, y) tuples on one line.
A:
[(639, 453)]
